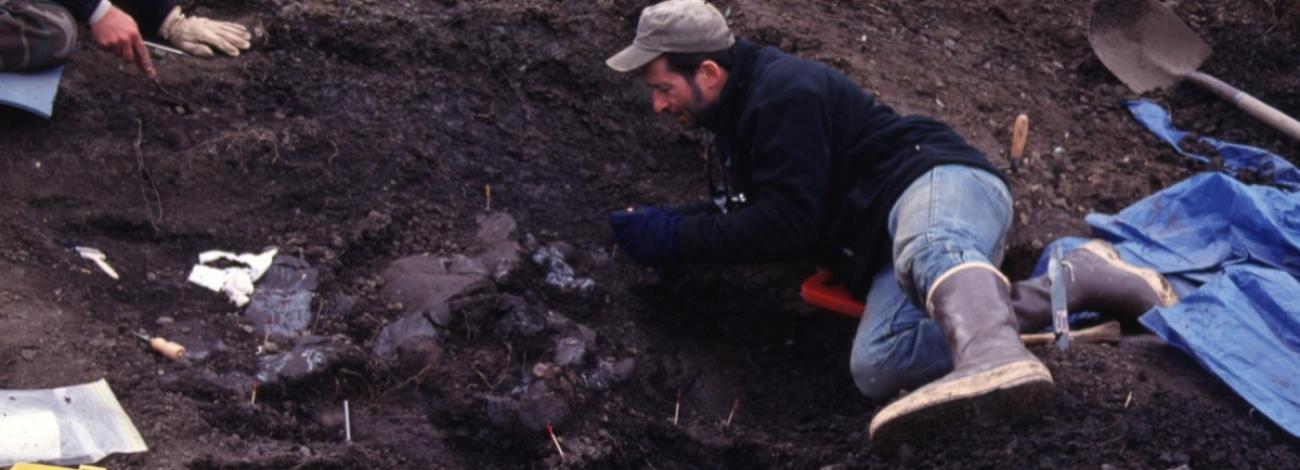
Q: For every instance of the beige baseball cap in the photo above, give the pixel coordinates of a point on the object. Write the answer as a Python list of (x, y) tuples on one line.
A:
[(689, 26)]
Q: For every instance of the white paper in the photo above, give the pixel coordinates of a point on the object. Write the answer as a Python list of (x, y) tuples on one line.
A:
[(235, 281)]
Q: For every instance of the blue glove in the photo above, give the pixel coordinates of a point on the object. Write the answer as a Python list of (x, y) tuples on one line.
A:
[(647, 234)]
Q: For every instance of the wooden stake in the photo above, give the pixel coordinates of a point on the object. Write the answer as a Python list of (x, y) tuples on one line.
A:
[(253, 401), (347, 421), (555, 440), (266, 339), (734, 406), (487, 192), (677, 409), (613, 250)]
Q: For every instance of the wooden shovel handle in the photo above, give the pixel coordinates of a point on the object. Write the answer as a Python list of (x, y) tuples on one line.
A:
[(1108, 332), (1251, 105)]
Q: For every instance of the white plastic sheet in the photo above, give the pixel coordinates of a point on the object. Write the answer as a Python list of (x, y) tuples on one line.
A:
[(64, 426)]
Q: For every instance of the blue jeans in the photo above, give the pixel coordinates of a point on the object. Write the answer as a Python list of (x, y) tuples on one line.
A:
[(951, 215)]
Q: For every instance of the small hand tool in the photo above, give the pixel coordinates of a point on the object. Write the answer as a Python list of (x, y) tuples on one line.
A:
[(99, 258), (168, 349), (1060, 308)]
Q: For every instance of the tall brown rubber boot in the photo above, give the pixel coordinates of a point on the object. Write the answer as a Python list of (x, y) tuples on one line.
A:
[(1099, 281), (994, 377)]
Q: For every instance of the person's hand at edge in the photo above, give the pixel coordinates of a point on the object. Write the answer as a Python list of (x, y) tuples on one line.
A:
[(117, 33), (647, 234)]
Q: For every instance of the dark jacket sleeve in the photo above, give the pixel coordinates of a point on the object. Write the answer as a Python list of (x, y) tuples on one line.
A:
[(80, 9), (790, 158), (149, 14), (696, 208)]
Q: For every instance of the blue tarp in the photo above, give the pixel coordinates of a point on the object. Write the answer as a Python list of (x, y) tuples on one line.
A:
[(1232, 251), (1244, 326), (1236, 157)]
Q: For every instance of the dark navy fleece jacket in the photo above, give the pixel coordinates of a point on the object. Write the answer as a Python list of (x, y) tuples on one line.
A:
[(820, 162)]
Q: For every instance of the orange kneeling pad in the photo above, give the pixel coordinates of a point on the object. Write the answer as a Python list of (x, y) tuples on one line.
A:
[(822, 291)]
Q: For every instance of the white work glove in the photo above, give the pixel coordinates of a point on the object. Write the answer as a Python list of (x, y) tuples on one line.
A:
[(198, 36)]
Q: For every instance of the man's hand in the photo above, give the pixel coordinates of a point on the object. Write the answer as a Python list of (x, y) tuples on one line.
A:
[(647, 234), (117, 33), (198, 36)]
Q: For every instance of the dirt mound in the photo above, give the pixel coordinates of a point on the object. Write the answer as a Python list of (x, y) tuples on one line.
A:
[(357, 133), (1285, 12)]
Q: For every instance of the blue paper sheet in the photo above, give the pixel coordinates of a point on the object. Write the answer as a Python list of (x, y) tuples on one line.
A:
[(1232, 251), (32, 90)]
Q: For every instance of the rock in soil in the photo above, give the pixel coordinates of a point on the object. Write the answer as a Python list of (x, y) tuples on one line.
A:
[(310, 356), (423, 284), (281, 304), (528, 411), (412, 326)]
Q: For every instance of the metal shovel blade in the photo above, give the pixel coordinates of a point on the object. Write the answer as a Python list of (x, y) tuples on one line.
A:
[(1144, 43)]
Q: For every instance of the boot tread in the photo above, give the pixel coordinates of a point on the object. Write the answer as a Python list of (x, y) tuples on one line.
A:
[(1016, 390), (1164, 291)]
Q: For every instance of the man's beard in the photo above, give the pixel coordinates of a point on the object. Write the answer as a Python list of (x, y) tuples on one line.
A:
[(698, 111)]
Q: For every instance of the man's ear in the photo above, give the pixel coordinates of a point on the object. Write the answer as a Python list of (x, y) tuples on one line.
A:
[(710, 74)]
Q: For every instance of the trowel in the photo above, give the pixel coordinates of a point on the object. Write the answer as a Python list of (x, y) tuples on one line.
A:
[(1146, 46)]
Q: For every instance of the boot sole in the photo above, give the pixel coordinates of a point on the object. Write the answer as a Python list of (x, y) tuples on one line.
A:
[(1153, 279), (1011, 392)]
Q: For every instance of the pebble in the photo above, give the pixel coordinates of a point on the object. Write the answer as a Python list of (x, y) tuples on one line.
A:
[(905, 453), (570, 351), (543, 370)]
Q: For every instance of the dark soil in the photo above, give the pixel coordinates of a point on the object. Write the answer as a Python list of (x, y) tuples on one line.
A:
[(357, 132)]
